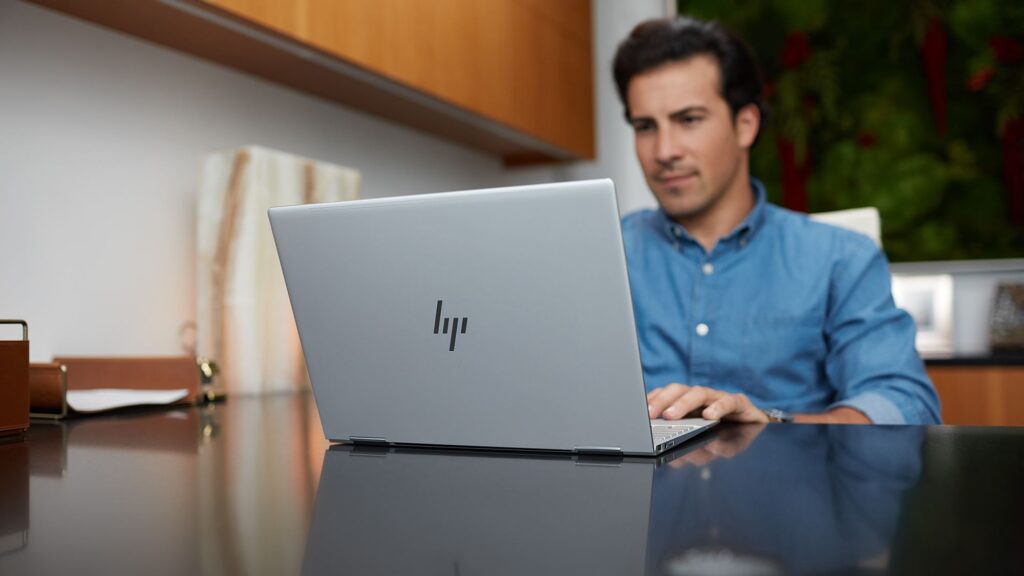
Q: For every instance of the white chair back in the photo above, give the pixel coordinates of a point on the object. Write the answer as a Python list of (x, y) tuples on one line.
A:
[(867, 221)]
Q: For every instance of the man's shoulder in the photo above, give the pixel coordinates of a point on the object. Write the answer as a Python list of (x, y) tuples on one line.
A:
[(639, 223), (803, 231), (639, 218)]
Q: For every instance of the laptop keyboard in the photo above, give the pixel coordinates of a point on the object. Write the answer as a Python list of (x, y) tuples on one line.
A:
[(664, 431)]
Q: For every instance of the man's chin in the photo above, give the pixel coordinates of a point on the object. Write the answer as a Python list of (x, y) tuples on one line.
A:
[(681, 213)]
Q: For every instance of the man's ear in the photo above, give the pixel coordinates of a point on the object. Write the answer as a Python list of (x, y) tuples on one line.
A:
[(748, 124)]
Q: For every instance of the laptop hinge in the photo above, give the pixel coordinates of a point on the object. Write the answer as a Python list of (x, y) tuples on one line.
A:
[(368, 441), (597, 451)]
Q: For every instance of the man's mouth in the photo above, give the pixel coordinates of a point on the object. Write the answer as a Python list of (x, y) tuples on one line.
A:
[(677, 178)]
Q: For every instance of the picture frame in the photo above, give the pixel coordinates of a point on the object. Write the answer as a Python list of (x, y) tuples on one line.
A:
[(929, 301)]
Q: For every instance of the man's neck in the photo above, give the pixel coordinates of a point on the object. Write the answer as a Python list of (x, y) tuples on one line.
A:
[(722, 218)]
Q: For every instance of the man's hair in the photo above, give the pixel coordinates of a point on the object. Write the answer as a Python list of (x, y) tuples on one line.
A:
[(661, 41)]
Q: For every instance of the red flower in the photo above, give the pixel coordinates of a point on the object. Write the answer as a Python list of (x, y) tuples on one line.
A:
[(980, 79), (866, 140), (1006, 49), (795, 50)]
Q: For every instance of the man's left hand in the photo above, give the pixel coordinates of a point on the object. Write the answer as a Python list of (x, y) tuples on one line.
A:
[(676, 401)]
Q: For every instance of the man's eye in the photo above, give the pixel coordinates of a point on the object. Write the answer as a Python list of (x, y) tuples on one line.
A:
[(690, 120), (643, 127)]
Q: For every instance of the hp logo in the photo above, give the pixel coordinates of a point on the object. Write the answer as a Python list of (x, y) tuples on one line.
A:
[(457, 326)]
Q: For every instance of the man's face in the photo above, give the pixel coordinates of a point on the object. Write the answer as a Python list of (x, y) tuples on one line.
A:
[(691, 149)]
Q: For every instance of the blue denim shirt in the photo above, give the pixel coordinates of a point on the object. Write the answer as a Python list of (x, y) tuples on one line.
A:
[(795, 314)]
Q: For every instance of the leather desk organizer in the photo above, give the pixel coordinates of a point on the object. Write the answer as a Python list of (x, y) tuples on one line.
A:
[(14, 382), (50, 382)]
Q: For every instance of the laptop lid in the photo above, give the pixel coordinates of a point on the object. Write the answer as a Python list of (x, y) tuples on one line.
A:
[(493, 318)]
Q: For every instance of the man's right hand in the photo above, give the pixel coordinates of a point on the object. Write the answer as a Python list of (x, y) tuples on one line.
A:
[(676, 401)]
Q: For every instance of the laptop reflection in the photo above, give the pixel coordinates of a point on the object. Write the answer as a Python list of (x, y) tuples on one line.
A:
[(414, 511)]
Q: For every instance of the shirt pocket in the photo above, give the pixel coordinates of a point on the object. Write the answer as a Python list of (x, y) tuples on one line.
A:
[(783, 357)]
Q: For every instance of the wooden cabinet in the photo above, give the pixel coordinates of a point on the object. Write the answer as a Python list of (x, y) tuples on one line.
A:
[(980, 395), (513, 77)]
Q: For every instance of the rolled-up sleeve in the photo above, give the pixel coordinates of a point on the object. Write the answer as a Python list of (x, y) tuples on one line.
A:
[(872, 363)]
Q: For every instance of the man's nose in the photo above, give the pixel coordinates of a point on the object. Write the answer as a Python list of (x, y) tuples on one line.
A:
[(667, 151)]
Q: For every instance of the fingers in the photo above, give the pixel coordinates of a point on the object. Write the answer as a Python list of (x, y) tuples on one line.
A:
[(719, 408), (654, 393), (676, 401), (694, 398), (660, 399), (736, 407)]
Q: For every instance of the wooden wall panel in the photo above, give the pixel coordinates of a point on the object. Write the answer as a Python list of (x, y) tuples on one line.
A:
[(523, 63), (553, 75), (272, 49), (980, 396), (456, 50), (284, 17)]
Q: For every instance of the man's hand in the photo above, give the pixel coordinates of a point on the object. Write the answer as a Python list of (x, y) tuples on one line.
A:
[(676, 401)]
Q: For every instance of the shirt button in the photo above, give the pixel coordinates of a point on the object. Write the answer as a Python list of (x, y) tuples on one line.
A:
[(708, 268), (702, 329)]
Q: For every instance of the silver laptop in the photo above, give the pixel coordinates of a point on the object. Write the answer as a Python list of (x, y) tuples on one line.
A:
[(496, 318)]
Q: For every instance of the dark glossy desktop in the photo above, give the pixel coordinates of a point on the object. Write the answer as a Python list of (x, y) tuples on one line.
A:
[(251, 487)]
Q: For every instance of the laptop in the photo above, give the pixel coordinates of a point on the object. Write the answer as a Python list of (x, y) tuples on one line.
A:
[(497, 318)]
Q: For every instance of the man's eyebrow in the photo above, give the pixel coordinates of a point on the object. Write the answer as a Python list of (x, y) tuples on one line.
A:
[(689, 110), (634, 119), (696, 109)]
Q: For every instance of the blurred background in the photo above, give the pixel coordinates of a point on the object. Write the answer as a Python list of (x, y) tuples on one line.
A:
[(916, 108)]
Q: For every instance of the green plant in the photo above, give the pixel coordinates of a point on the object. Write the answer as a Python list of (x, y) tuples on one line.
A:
[(916, 108)]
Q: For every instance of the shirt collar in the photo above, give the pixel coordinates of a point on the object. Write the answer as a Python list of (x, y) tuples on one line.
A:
[(744, 231)]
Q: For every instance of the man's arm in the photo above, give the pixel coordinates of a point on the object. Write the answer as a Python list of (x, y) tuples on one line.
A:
[(872, 363), (677, 401), (843, 415)]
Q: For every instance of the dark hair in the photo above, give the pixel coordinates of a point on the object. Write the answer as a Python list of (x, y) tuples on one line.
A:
[(661, 41)]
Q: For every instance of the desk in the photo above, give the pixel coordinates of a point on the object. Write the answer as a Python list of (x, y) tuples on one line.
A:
[(250, 487)]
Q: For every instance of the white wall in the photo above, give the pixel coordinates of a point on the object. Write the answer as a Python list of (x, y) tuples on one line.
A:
[(100, 141)]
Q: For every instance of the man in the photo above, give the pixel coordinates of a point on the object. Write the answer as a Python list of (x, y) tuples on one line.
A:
[(747, 311)]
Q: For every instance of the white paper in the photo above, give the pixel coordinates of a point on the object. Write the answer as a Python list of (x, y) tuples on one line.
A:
[(102, 399)]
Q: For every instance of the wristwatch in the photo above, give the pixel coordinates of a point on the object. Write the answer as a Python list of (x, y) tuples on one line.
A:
[(776, 415)]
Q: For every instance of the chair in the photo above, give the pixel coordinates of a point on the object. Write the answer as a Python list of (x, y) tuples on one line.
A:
[(867, 221)]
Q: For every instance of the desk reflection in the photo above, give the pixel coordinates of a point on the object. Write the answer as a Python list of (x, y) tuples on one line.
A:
[(223, 489), (806, 500), (14, 494), (233, 489)]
